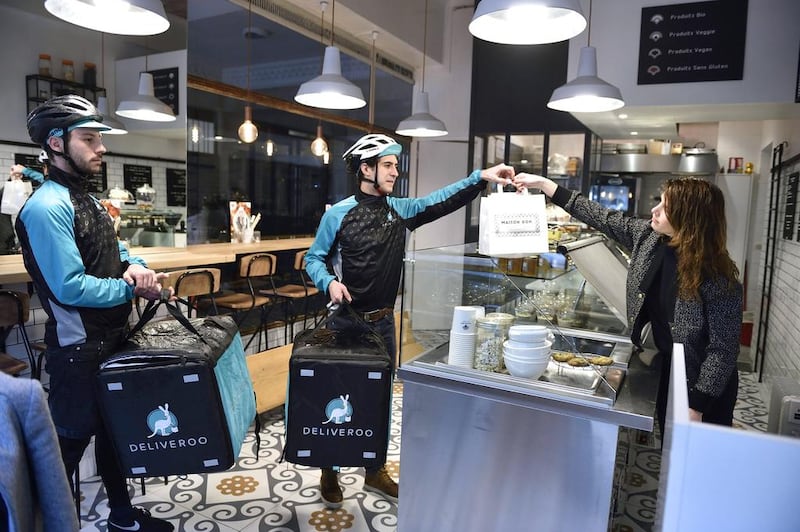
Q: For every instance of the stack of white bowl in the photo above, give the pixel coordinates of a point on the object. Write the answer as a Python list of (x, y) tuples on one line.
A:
[(462, 335), (527, 350)]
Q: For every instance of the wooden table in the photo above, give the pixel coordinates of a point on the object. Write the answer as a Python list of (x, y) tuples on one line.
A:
[(12, 270)]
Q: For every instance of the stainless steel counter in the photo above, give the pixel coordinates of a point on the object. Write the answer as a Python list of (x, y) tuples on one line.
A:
[(485, 451)]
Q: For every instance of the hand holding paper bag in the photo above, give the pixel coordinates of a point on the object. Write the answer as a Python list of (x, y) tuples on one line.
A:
[(513, 225)]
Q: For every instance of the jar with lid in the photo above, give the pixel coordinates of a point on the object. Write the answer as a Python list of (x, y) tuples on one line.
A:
[(488, 345), (44, 65), (68, 69), (89, 74)]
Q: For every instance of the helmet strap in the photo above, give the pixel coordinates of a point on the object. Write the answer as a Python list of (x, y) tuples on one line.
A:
[(66, 156)]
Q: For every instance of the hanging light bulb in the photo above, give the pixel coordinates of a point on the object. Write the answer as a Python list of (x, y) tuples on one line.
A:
[(248, 131), (318, 145), (422, 123), (330, 90), (587, 93), (269, 146)]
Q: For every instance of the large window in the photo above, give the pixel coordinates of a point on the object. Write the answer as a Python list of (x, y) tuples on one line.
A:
[(277, 174)]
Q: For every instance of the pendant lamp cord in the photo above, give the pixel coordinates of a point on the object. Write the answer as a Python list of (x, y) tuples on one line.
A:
[(333, 20), (249, 44), (589, 23), (372, 81), (424, 43)]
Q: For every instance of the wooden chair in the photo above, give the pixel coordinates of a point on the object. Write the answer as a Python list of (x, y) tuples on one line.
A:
[(15, 312), (293, 294), (254, 269), (194, 286)]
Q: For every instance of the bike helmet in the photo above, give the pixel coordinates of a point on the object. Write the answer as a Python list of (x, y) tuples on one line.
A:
[(372, 145), (60, 115), (43, 158)]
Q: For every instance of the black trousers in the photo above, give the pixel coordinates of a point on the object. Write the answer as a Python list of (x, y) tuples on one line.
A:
[(718, 412)]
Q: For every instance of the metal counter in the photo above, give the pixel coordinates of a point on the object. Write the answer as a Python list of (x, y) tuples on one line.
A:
[(487, 452)]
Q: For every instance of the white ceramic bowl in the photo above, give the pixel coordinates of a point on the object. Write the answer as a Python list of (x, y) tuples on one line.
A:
[(515, 343), (528, 353), (530, 369), (528, 333)]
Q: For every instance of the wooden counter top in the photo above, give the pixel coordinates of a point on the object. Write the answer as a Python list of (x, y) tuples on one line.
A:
[(12, 270)]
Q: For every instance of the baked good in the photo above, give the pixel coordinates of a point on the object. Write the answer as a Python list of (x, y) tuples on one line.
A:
[(578, 362), (599, 360), (562, 356)]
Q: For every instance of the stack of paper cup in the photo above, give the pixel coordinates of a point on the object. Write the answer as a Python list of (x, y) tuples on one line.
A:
[(462, 335)]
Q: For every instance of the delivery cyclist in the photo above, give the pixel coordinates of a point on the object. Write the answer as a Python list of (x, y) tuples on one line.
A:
[(357, 254), (85, 281)]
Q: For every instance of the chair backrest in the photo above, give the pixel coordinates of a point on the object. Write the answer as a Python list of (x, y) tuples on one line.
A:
[(14, 308), (300, 260), (194, 282), (257, 265)]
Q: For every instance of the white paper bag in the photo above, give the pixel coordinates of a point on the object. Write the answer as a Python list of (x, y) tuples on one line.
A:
[(512, 225), (15, 194)]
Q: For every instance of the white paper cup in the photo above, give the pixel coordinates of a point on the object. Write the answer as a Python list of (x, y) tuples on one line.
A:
[(462, 349), (464, 318)]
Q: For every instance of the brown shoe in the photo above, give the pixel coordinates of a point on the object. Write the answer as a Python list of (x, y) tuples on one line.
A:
[(329, 489), (381, 482)]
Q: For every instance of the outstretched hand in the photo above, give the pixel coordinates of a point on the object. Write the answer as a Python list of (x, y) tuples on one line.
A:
[(501, 173)]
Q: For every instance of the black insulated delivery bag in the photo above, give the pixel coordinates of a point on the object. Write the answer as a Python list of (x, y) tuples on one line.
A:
[(177, 401), (338, 399)]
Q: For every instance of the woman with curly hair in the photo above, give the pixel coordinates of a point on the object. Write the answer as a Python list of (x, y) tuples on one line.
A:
[(681, 280)]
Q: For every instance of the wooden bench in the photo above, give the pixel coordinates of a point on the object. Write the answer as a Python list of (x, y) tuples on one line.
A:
[(269, 371)]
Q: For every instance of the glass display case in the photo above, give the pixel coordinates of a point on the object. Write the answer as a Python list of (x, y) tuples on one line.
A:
[(484, 424)]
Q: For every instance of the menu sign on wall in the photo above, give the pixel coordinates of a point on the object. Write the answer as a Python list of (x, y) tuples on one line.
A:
[(699, 41), (176, 187), (136, 175), (98, 183), (165, 86), (791, 206)]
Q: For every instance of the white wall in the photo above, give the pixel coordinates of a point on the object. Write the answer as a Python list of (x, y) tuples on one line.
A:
[(441, 162), (770, 62)]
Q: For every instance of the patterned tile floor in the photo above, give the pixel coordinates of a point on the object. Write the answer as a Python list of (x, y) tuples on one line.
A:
[(262, 494)]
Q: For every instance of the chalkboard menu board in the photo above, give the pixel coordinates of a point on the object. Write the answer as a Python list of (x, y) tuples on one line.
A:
[(136, 175), (98, 182), (699, 41), (165, 86), (791, 206), (176, 187)]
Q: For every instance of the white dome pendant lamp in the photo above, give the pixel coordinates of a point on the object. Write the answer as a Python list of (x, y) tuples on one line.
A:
[(145, 106), (587, 93), (330, 90), (422, 123), (131, 17), (248, 132), (527, 21)]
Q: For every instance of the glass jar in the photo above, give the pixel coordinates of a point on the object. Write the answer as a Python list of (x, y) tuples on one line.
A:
[(89, 74), (488, 345), (44, 65), (68, 69)]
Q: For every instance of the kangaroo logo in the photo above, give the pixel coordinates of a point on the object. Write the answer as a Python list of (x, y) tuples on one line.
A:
[(162, 421), (339, 410)]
